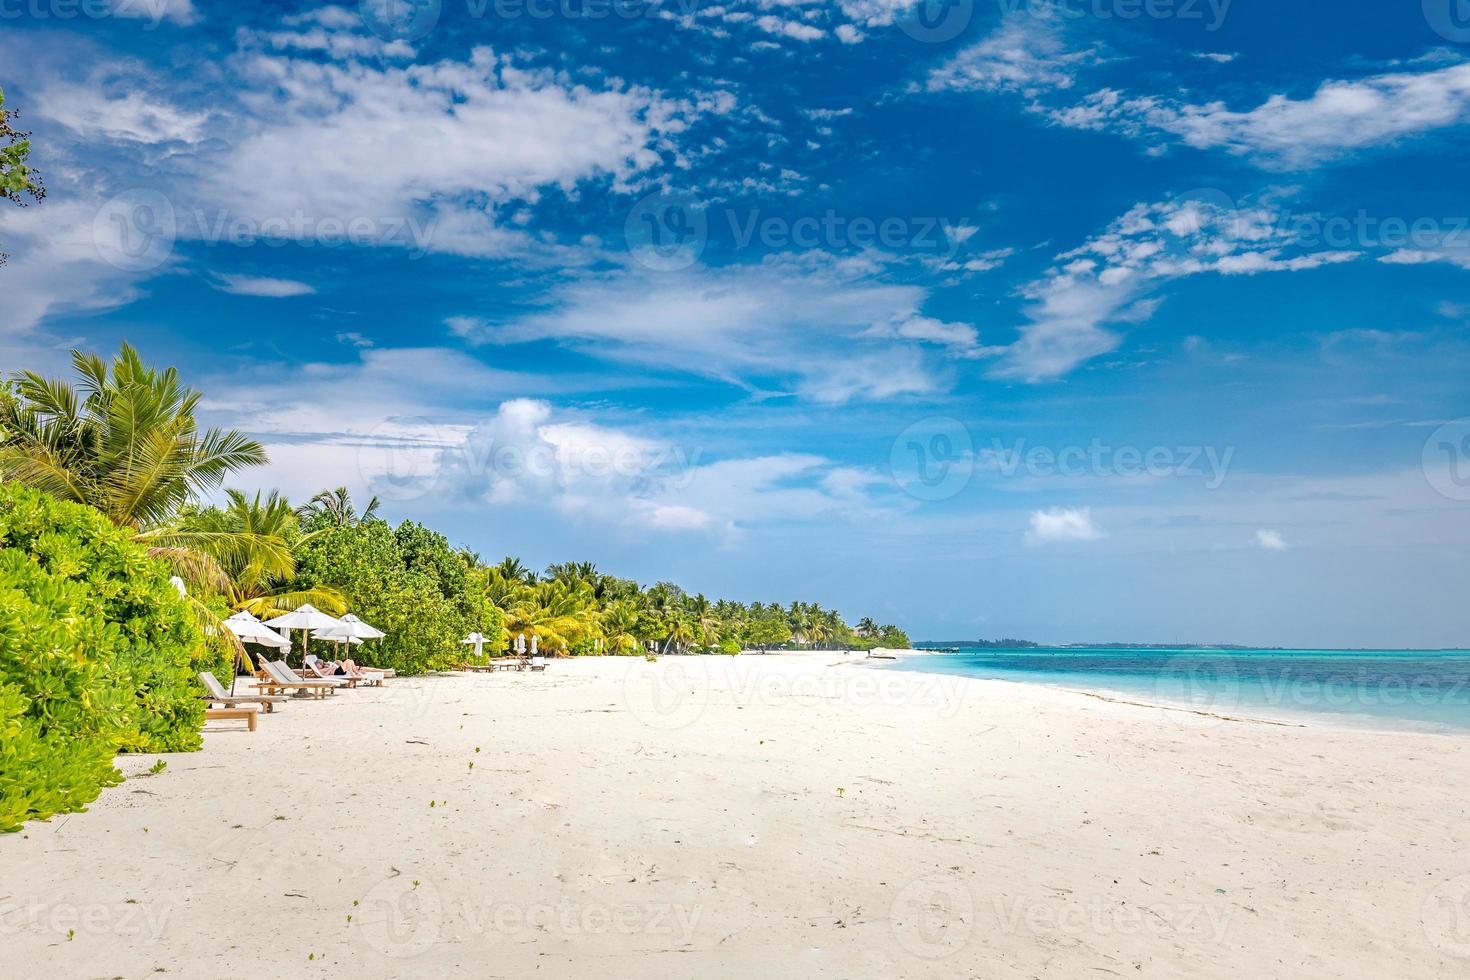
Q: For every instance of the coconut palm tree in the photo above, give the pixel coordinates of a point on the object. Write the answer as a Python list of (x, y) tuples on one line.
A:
[(619, 623), (335, 506), (124, 440), (513, 569), (560, 614), (866, 627), (253, 584)]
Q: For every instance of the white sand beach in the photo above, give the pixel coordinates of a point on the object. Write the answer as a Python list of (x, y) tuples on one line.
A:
[(754, 816)]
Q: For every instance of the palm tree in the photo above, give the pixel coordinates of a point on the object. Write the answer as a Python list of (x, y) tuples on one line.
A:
[(619, 622), (253, 583), (124, 441), (558, 613), (866, 627), (512, 569), (336, 507)]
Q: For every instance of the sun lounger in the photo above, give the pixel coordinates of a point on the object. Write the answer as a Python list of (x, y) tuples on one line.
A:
[(218, 694), (537, 663), (322, 673), (480, 668), (226, 714), (279, 678)]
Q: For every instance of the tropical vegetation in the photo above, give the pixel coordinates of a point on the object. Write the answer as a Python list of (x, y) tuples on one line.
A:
[(98, 653), (124, 439), (122, 551)]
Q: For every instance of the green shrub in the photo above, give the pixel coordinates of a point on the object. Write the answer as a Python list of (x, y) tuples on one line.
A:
[(97, 656)]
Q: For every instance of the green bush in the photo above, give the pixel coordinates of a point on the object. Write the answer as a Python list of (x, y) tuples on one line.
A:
[(97, 656), (408, 584)]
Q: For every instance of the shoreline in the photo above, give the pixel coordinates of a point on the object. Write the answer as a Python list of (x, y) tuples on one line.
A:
[(1245, 711), (724, 816)]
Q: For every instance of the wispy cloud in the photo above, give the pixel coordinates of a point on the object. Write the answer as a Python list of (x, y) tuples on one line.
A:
[(262, 286), (1285, 133)]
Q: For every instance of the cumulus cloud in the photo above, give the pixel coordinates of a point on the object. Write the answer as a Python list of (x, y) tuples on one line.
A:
[(529, 453), (1270, 540), (1060, 524)]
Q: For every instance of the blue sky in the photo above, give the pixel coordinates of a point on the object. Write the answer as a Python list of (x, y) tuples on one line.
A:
[(1097, 319)]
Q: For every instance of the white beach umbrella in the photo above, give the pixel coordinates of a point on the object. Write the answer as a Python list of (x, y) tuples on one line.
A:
[(349, 627), (478, 641), (248, 629), (305, 618), (533, 644)]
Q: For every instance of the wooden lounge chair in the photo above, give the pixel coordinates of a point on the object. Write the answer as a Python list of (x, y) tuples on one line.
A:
[(537, 663), (226, 714), (218, 695), (274, 681), (361, 674), (349, 678), (480, 668)]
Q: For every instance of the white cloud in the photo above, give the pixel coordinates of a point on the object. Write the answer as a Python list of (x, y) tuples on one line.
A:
[(529, 453), (1270, 540), (1107, 281), (1060, 524), (820, 327), (1024, 54), (1290, 134), (178, 12), (262, 286)]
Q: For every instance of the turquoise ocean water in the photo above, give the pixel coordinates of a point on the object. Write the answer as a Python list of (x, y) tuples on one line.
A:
[(1418, 689)]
